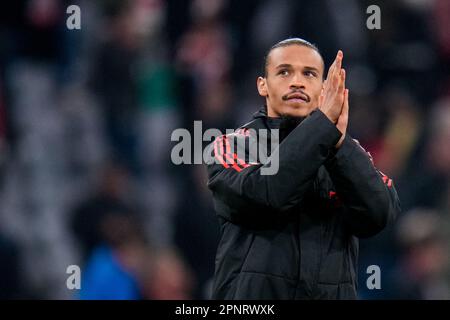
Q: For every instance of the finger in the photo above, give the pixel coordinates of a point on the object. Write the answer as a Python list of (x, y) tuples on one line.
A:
[(341, 87), (345, 107), (324, 87), (343, 117), (335, 77), (339, 57), (331, 70)]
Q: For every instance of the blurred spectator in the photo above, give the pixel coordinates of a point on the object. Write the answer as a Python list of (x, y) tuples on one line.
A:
[(124, 266), (204, 53), (112, 270), (11, 268), (87, 218), (3, 132), (428, 180), (423, 266), (401, 131), (197, 229), (114, 80), (169, 278)]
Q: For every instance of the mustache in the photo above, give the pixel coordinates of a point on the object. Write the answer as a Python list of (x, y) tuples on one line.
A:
[(287, 95)]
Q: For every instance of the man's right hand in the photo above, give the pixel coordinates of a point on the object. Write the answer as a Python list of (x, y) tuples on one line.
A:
[(332, 97)]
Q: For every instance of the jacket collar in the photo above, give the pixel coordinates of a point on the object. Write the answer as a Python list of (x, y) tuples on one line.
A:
[(288, 123)]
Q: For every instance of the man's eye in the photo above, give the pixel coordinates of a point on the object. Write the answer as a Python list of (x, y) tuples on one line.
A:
[(310, 74), (283, 72)]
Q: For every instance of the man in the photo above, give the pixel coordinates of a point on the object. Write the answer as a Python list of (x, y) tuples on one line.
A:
[(294, 234)]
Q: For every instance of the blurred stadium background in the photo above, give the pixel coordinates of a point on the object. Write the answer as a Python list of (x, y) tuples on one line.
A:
[(86, 117)]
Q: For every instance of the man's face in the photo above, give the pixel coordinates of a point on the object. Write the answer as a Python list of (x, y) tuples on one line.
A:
[(293, 82)]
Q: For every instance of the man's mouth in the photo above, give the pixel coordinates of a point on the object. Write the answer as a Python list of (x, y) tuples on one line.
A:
[(297, 96)]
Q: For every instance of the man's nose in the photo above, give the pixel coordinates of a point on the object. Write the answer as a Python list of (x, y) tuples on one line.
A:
[(297, 82)]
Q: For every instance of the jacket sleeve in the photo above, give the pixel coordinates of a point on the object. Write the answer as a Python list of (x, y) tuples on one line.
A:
[(369, 197), (241, 184)]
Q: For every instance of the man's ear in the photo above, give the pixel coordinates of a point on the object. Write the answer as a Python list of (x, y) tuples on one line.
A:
[(262, 87)]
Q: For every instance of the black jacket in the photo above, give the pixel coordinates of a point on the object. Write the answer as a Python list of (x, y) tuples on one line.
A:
[(294, 234)]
